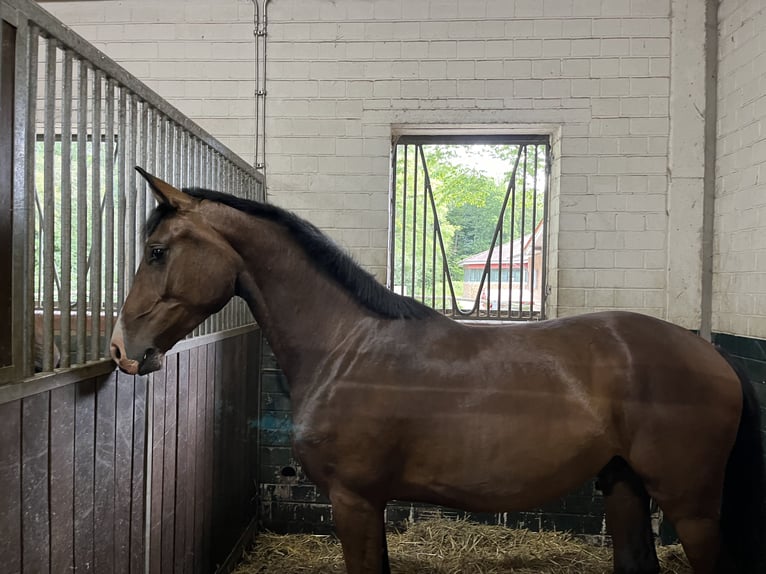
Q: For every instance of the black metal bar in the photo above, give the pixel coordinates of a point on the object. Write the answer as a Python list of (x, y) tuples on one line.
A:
[(534, 234), (404, 218), (523, 231), (414, 220)]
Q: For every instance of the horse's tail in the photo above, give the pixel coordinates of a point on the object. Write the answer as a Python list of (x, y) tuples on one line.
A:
[(743, 511)]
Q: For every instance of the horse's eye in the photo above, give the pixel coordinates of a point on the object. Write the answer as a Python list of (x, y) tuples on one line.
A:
[(156, 254)]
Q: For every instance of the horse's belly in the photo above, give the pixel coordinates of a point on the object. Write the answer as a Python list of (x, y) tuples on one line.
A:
[(491, 471)]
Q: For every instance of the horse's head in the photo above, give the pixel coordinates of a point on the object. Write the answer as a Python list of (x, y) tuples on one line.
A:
[(187, 273)]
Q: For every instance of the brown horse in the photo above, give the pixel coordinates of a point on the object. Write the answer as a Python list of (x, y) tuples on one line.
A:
[(392, 400)]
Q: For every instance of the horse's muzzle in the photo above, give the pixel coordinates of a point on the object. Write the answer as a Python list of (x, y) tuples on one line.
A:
[(150, 361)]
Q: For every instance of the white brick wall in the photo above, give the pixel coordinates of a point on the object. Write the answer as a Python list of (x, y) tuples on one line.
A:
[(598, 79), (344, 74), (739, 285), (196, 54)]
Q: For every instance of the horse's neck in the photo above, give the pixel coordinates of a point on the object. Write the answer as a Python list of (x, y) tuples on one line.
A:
[(304, 314)]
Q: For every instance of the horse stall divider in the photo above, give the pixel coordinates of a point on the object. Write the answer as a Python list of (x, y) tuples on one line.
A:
[(100, 470)]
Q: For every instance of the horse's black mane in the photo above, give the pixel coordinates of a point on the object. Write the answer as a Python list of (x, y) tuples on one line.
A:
[(322, 251)]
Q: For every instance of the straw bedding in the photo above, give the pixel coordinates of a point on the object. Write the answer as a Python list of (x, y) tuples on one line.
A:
[(444, 546)]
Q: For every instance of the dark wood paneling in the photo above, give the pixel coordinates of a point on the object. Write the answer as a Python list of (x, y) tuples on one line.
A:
[(138, 498), (123, 464), (157, 452), (10, 486), (84, 452), (169, 460), (190, 537), (35, 519), (73, 490), (182, 458), (212, 373), (104, 475), (200, 472), (62, 479)]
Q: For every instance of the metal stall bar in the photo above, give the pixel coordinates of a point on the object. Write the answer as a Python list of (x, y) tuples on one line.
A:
[(49, 196), (65, 294), (82, 213), (95, 223), (33, 40), (109, 216), (122, 137)]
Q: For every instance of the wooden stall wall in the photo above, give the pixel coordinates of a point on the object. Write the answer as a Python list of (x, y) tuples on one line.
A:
[(87, 468)]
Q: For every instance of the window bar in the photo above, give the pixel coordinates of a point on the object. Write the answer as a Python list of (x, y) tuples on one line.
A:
[(65, 295), (122, 231), (95, 264), (82, 212), (512, 235), (415, 217), (177, 173), (433, 261), (546, 197), (501, 223), (109, 213), (425, 235), (523, 230), (428, 190), (49, 207), (532, 281), (391, 275), (404, 219)]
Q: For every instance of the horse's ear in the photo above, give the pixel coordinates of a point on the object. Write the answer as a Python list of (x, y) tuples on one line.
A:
[(165, 193)]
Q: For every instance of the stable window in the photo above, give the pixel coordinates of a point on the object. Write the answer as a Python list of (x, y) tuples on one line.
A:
[(468, 224)]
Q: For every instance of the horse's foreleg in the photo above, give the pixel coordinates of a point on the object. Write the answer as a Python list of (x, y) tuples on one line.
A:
[(359, 524), (628, 520)]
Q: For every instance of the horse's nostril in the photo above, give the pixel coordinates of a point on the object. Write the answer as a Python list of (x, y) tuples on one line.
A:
[(116, 352)]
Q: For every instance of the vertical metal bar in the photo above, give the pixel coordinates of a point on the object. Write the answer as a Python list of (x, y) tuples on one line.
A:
[(523, 231), (27, 143), (82, 212), (65, 295), (49, 206), (109, 213), (546, 201), (404, 216), (151, 152), (161, 151), (134, 249), (433, 259), (415, 217), (534, 233), (141, 160), (95, 243), (512, 235), (177, 159), (390, 275), (183, 181), (425, 233), (122, 190), (501, 223)]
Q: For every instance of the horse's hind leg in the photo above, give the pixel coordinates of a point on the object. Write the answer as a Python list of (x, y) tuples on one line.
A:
[(359, 525), (628, 519)]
